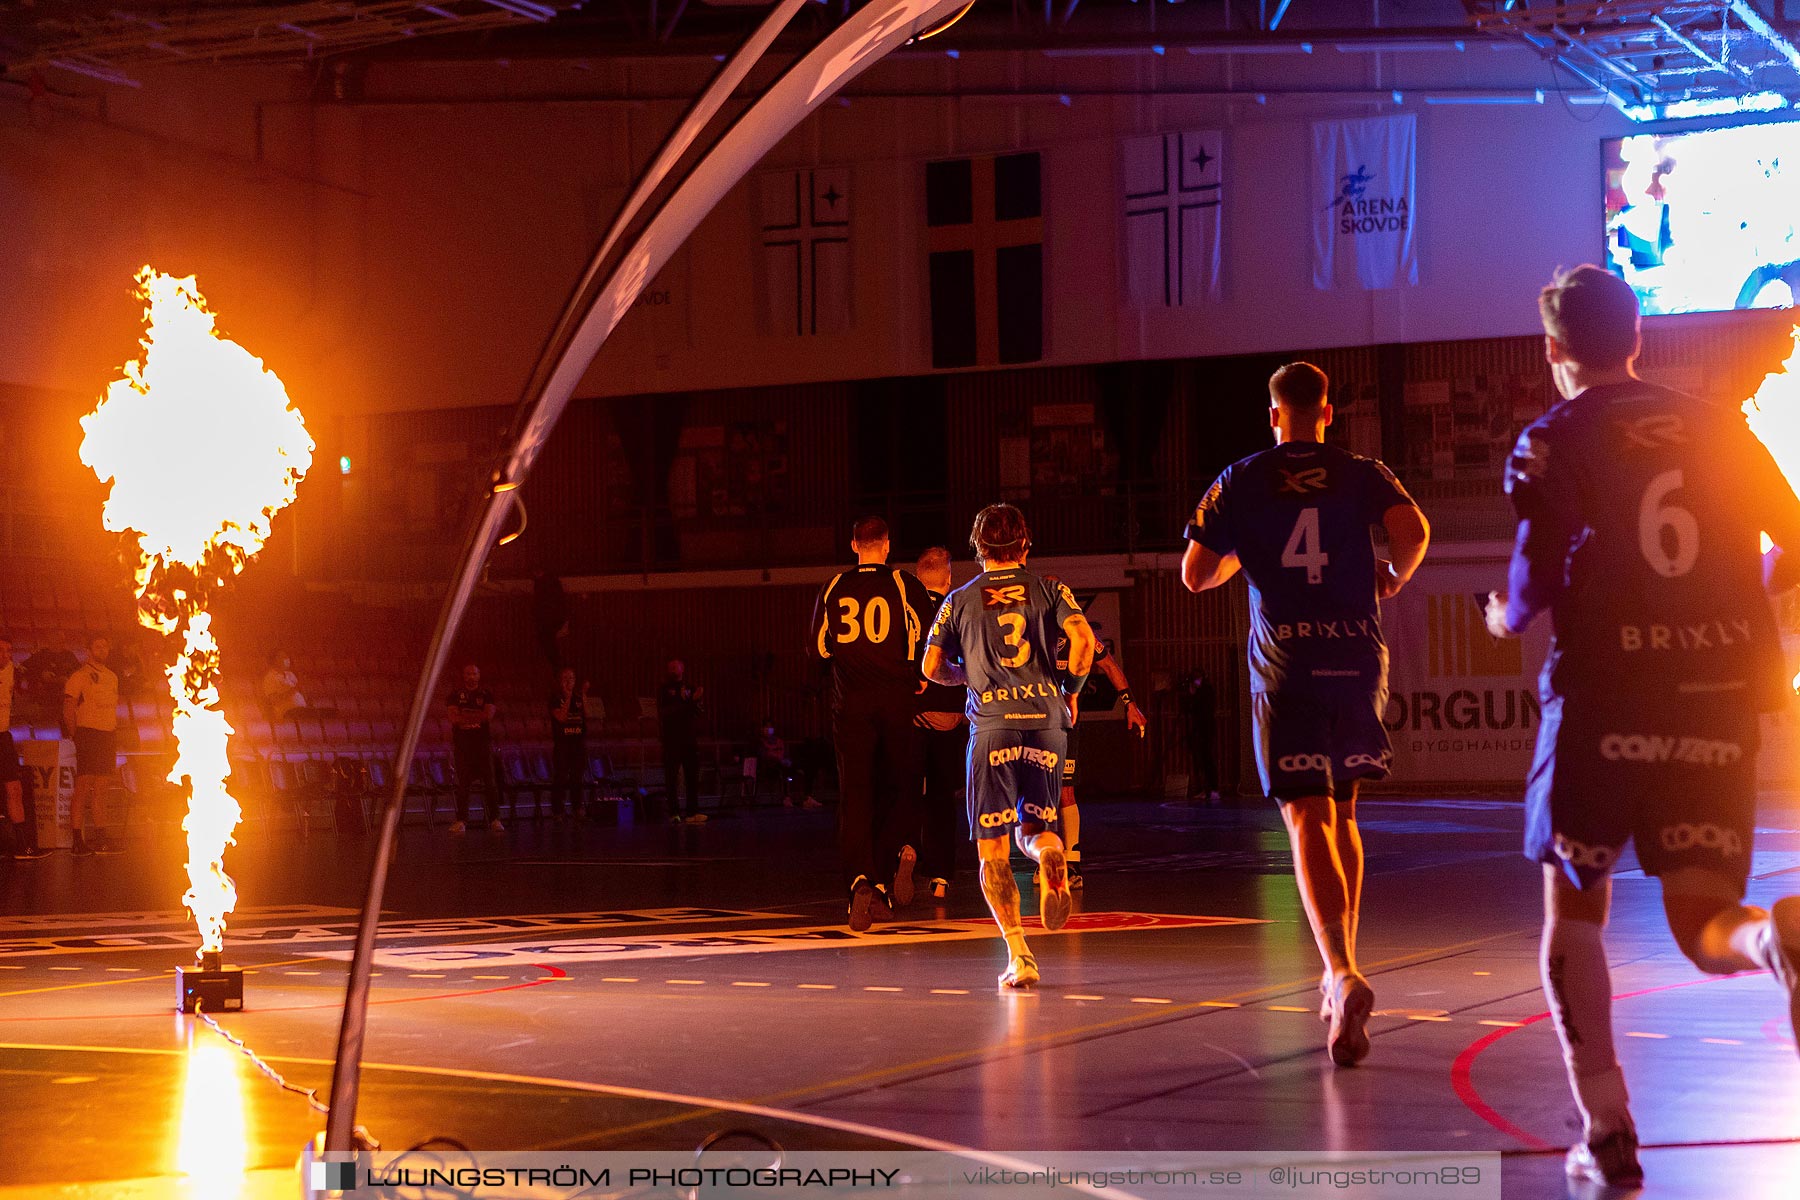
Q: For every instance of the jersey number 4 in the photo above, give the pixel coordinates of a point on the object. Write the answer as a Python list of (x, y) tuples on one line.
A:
[(1302, 549), (858, 621)]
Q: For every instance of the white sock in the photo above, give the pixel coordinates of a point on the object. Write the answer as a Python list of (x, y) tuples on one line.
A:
[(1579, 988)]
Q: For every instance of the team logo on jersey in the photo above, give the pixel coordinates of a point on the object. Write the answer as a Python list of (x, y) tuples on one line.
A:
[(1654, 432), (1313, 479), (1007, 596)]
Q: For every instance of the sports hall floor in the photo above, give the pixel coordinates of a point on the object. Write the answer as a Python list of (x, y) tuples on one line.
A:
[(1178, 1011)]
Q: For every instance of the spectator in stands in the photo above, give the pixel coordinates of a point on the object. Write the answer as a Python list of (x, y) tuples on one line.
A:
[(569, 711), (1199, 712), (678, 707), (811, 756), (20, 822), (281, 693), (281, 687), (550, 614), (471, 713), (91, 717), (45, 673), (772, 761)]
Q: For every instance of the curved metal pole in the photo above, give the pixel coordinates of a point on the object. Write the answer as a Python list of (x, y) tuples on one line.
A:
[(598, 303)]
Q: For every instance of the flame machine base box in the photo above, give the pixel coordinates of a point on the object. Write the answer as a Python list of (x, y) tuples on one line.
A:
[(211, 986)]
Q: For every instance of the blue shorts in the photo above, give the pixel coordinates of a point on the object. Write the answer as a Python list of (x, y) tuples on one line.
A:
[(1015, 777), (1308, 742), (1677, 776)]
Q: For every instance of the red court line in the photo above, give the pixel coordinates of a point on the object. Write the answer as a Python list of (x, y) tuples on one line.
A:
[(1463, 1069), (555, 973)]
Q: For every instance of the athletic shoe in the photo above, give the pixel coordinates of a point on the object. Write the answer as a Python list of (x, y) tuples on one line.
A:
[(1325, 995), (1075, 884), (903, 875), (30, 853), (80, 848), (458, 827), (1783, 954), (1053, 890), (674, 818), (1020, 973), (809, 802), (940, 889), (866, 904), (695, 819), (1612, 1161), (494, 826), (101, 844), (1353, 1001), (883, 909)]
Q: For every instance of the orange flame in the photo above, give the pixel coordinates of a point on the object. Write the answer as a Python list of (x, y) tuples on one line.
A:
[(1774, 417), (202, 448)]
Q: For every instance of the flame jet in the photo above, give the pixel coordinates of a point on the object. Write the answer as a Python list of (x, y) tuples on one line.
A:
[(202, 449)]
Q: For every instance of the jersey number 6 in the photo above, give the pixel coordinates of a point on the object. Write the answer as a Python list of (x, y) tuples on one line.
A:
[(1654, 517)]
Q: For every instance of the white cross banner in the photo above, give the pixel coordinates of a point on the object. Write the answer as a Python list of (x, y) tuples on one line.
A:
[(1173, 193), (1365, 210), (805, 218)]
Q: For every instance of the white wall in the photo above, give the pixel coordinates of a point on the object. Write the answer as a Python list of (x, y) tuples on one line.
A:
[(412, 249)]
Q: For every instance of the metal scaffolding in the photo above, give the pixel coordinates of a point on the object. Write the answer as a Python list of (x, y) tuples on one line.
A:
[(1656, 60)]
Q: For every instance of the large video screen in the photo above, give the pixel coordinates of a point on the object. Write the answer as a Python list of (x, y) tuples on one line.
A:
[(1706, 220)]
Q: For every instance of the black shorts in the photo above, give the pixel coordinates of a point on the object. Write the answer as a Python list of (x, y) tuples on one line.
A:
[(95, 752), (9, 758), (1675, 776), (1308, 742)]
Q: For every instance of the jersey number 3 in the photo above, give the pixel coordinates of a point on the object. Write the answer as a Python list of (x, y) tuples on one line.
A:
[(1302, 549), (1014, 637), (873, 622)]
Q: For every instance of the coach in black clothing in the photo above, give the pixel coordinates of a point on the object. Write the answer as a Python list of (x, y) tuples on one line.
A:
[(471, 712), (869, 624), (678, 705), (568, 742)]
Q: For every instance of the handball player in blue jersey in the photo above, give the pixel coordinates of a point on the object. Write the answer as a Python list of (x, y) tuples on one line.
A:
[(1296, 520), (997, 636), (1640, 513)]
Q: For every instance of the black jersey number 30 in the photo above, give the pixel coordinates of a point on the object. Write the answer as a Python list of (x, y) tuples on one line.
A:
[(872, 621)]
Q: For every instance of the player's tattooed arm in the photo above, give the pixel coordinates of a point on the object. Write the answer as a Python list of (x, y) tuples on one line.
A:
[(1081, 645), (940, 669), (1202, 569)]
